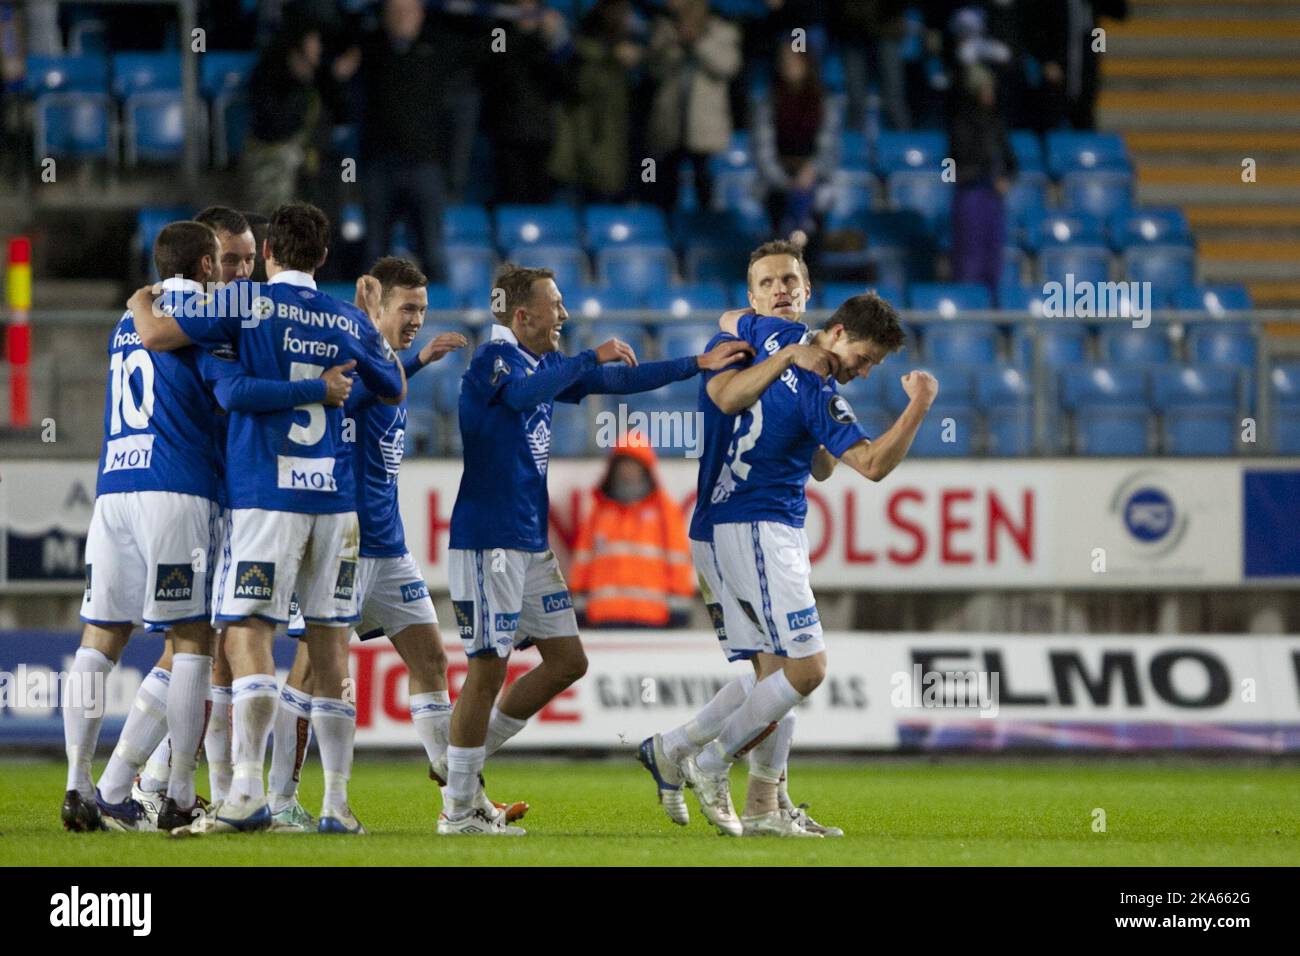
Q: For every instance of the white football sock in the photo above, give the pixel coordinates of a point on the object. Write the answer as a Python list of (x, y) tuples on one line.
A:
[(83, 703), (768, 759), (501, 727), (335, 722), (144, 728), (254, 709), (187, 704), (153, 778), (772, 698), (687, 739), (463, 767), (431, 715), (216, 743), (290, 736)]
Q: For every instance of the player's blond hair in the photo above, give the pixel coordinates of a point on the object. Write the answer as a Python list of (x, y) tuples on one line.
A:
[(778, 247)]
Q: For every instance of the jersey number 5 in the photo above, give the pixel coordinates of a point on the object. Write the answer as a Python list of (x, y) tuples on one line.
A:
[(121, 402), (314, 430)]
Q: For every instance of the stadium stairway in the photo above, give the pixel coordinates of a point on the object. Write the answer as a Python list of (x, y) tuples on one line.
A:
[(1196, 86)]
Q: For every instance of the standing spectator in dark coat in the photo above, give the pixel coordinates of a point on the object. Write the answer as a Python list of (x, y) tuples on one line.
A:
[(871, 34), (1060, 36), (985, 164)]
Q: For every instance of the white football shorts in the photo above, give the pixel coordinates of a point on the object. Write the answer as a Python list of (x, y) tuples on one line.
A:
[(149, 559), (505, 599), (271, 555), (392, 596), (765, 566), (724, 611)]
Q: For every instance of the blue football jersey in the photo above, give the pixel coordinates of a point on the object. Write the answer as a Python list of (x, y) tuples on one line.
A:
[(294, 460), (769, 459), (718, 427), (159, 416), (381, 442)]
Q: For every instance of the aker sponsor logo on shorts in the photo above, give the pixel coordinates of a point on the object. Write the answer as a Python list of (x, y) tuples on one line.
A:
[(346, 581), (254, 580), (174, 582), (464, 618), (805, 618), (559, 601), (414, 591), (88, 567), (719, 620), (505, 622)]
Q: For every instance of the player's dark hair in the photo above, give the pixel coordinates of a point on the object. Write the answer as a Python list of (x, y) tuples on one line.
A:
[(299, 235), (516, 284), (180, 246), (868, 316), (394, 272), (779, 247), (224, 219)]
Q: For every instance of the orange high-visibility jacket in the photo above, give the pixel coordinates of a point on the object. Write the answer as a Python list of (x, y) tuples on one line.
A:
[(631, 562)]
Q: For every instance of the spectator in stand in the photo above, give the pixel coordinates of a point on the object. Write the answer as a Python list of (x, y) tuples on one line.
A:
[(1060, 37), (693, 56), (631, 562), (985, 165), (796, 139), (402, 65), (593, 136), (524, 85), (871, 34)]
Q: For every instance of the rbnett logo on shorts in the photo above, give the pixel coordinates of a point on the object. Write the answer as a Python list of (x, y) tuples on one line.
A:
[(464, 618), (254, 580), (805, 618), (414, 591), (559, 601), (718, 619), (346, 580), (174, 582), (505, 622)]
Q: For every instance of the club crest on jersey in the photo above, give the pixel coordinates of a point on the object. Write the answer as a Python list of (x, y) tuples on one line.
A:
[(559, 601), (254, 580), (344, 583), (499, 370), (174, 582), (805, 618), (464, 618), (539, 438), (841, 411), (414, 591)]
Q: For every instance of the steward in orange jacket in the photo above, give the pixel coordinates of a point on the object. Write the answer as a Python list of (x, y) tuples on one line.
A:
[(631, 563)]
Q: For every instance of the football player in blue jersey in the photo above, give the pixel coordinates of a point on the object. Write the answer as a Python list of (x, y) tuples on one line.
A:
[(292, 524), (506, 585)]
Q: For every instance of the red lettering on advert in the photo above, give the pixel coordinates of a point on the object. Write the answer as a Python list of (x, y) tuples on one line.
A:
[(851, 553), (365, 660), (818, 551), (436, 527), (392, 710), (1022, 536), (903, 524), (950, 523)]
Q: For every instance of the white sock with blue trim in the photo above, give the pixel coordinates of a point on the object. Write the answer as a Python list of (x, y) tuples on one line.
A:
[(772, 698), (254, 709), (335, 723), (216, 743), (690, 737), (463, 767), (145, 728), (431, 715), (501, 727), (153, 778), (83, 703), (290, 738)]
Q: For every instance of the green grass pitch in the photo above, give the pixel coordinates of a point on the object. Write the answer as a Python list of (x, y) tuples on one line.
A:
[(603, 813)]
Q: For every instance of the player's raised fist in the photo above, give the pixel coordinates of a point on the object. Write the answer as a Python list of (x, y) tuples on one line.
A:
[(920, 386), (338, 383), (442, 345), (615, 351), (724, 354), (369, 292)]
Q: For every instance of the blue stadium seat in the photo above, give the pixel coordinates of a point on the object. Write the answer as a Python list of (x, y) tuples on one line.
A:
[(683, 300), (536, 225), (1021, 298), (1087, 263), (633, 333), (867, 393), (733, 229), (1026, 204), (680, 339), (155, 127), (921, 191), (1016, 265), (441, 298), (145, 72), (899, 150), (1102, 385), (1130, 346), (1199, 431), (711, 263), (738, 189), (1167, 268), (1064, 343), (1284, 383), (1102, 193), (737, 155), (639, 268), (848, 193), (73, 125), (1028, 149), (223, 71), (67, 74), (591, 302), (1214, 299), (971, 343), (466, 224), (149, 222), (610, 225), (1002, 386), (829, 295), (1158, 225), (902, 228), (87, 36), (570, 431), (1227, 344), (1069, 150), (223, 81), (568, 262), (956, 386), (1195, 386), (1112, 430), (470, 271), (946, 419), (1061, 228), (855, 152), (1005, 395), (948, 298)]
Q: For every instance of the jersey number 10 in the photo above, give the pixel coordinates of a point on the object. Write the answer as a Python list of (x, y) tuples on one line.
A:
[(121, 402)]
